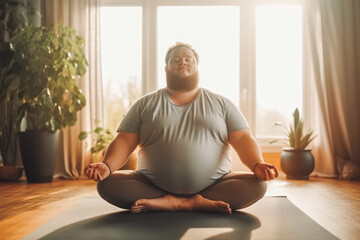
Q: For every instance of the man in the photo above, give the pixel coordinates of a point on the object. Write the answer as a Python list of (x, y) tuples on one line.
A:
[(184, 135)]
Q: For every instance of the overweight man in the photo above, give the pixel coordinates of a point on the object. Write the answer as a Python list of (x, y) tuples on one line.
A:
[(184, 134)]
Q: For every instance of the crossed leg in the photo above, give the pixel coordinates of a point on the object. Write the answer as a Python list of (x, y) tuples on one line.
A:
[(129, 189)]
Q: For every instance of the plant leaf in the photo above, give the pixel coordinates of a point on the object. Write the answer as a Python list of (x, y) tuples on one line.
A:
[(83, 135), (98, 130)]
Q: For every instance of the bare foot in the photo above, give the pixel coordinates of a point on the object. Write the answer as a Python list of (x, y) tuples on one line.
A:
[(172, 203)]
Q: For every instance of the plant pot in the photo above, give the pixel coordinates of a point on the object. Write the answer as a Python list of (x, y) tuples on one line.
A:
[(39, 152), (297, 164), (10, 173)]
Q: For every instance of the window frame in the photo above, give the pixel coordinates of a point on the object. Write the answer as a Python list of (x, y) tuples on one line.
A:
[(247, 85)]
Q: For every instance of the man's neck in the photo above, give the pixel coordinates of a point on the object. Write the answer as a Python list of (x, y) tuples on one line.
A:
[(182, 97)]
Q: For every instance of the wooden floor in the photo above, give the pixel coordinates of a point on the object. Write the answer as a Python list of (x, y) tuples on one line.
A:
[(334, 204)]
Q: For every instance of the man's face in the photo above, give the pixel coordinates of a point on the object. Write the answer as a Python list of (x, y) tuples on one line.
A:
[(181, 70), (182, 62)]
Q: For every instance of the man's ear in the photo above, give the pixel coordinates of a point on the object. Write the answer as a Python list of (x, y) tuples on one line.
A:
[(166, 68)]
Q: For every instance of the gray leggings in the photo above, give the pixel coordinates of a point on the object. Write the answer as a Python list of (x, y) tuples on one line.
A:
[(124, 187)]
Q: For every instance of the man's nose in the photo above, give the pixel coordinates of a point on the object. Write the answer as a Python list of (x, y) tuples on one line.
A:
[(182, 61)]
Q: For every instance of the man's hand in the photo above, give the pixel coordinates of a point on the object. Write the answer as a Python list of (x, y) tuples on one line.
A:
[(265, 171), (97, 171)]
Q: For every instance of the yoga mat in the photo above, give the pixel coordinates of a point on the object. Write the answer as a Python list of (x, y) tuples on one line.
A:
[(270, 218)]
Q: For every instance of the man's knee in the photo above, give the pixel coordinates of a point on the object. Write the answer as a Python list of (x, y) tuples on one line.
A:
[(123, 188), (116, 184), (240, 190), (256, 191), (250, 184), (261, 186), (114, 192), (104, 188), (248, 190)]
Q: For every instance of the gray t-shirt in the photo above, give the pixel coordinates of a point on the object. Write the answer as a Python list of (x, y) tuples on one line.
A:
[(183, 148)]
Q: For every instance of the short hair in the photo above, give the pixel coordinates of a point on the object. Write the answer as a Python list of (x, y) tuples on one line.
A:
[(181, 44)]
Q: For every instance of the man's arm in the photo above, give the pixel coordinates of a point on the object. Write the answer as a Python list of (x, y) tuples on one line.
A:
[(249, 153), (120, 149), (115, 157)]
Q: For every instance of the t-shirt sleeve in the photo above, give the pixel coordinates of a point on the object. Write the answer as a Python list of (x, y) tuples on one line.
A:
[(132, 120), (235, 120)]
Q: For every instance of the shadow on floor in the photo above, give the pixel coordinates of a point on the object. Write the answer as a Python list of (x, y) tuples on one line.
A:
[(161, 225)]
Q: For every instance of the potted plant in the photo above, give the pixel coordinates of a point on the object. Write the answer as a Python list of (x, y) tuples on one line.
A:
[(297, 161), (101, 138), (13, 17), (42, 75)]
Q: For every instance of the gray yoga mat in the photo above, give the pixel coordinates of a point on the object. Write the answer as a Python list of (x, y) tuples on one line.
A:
[(270, 218)]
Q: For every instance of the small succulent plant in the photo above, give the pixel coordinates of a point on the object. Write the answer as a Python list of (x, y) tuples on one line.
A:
[(295, 136)]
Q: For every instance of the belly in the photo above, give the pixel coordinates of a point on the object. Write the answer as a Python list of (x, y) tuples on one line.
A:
[(184, 168)]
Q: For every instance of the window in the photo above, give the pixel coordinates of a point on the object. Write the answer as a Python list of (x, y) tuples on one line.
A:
[(278, 67), (250, 51), (121, 57), (214, 32)]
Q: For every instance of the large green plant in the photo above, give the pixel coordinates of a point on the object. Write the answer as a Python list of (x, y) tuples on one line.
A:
[(295, 136), (43, 74), (14, 15)]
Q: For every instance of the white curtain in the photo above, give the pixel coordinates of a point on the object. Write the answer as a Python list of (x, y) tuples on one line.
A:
[(333, 31), (83, 16)]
